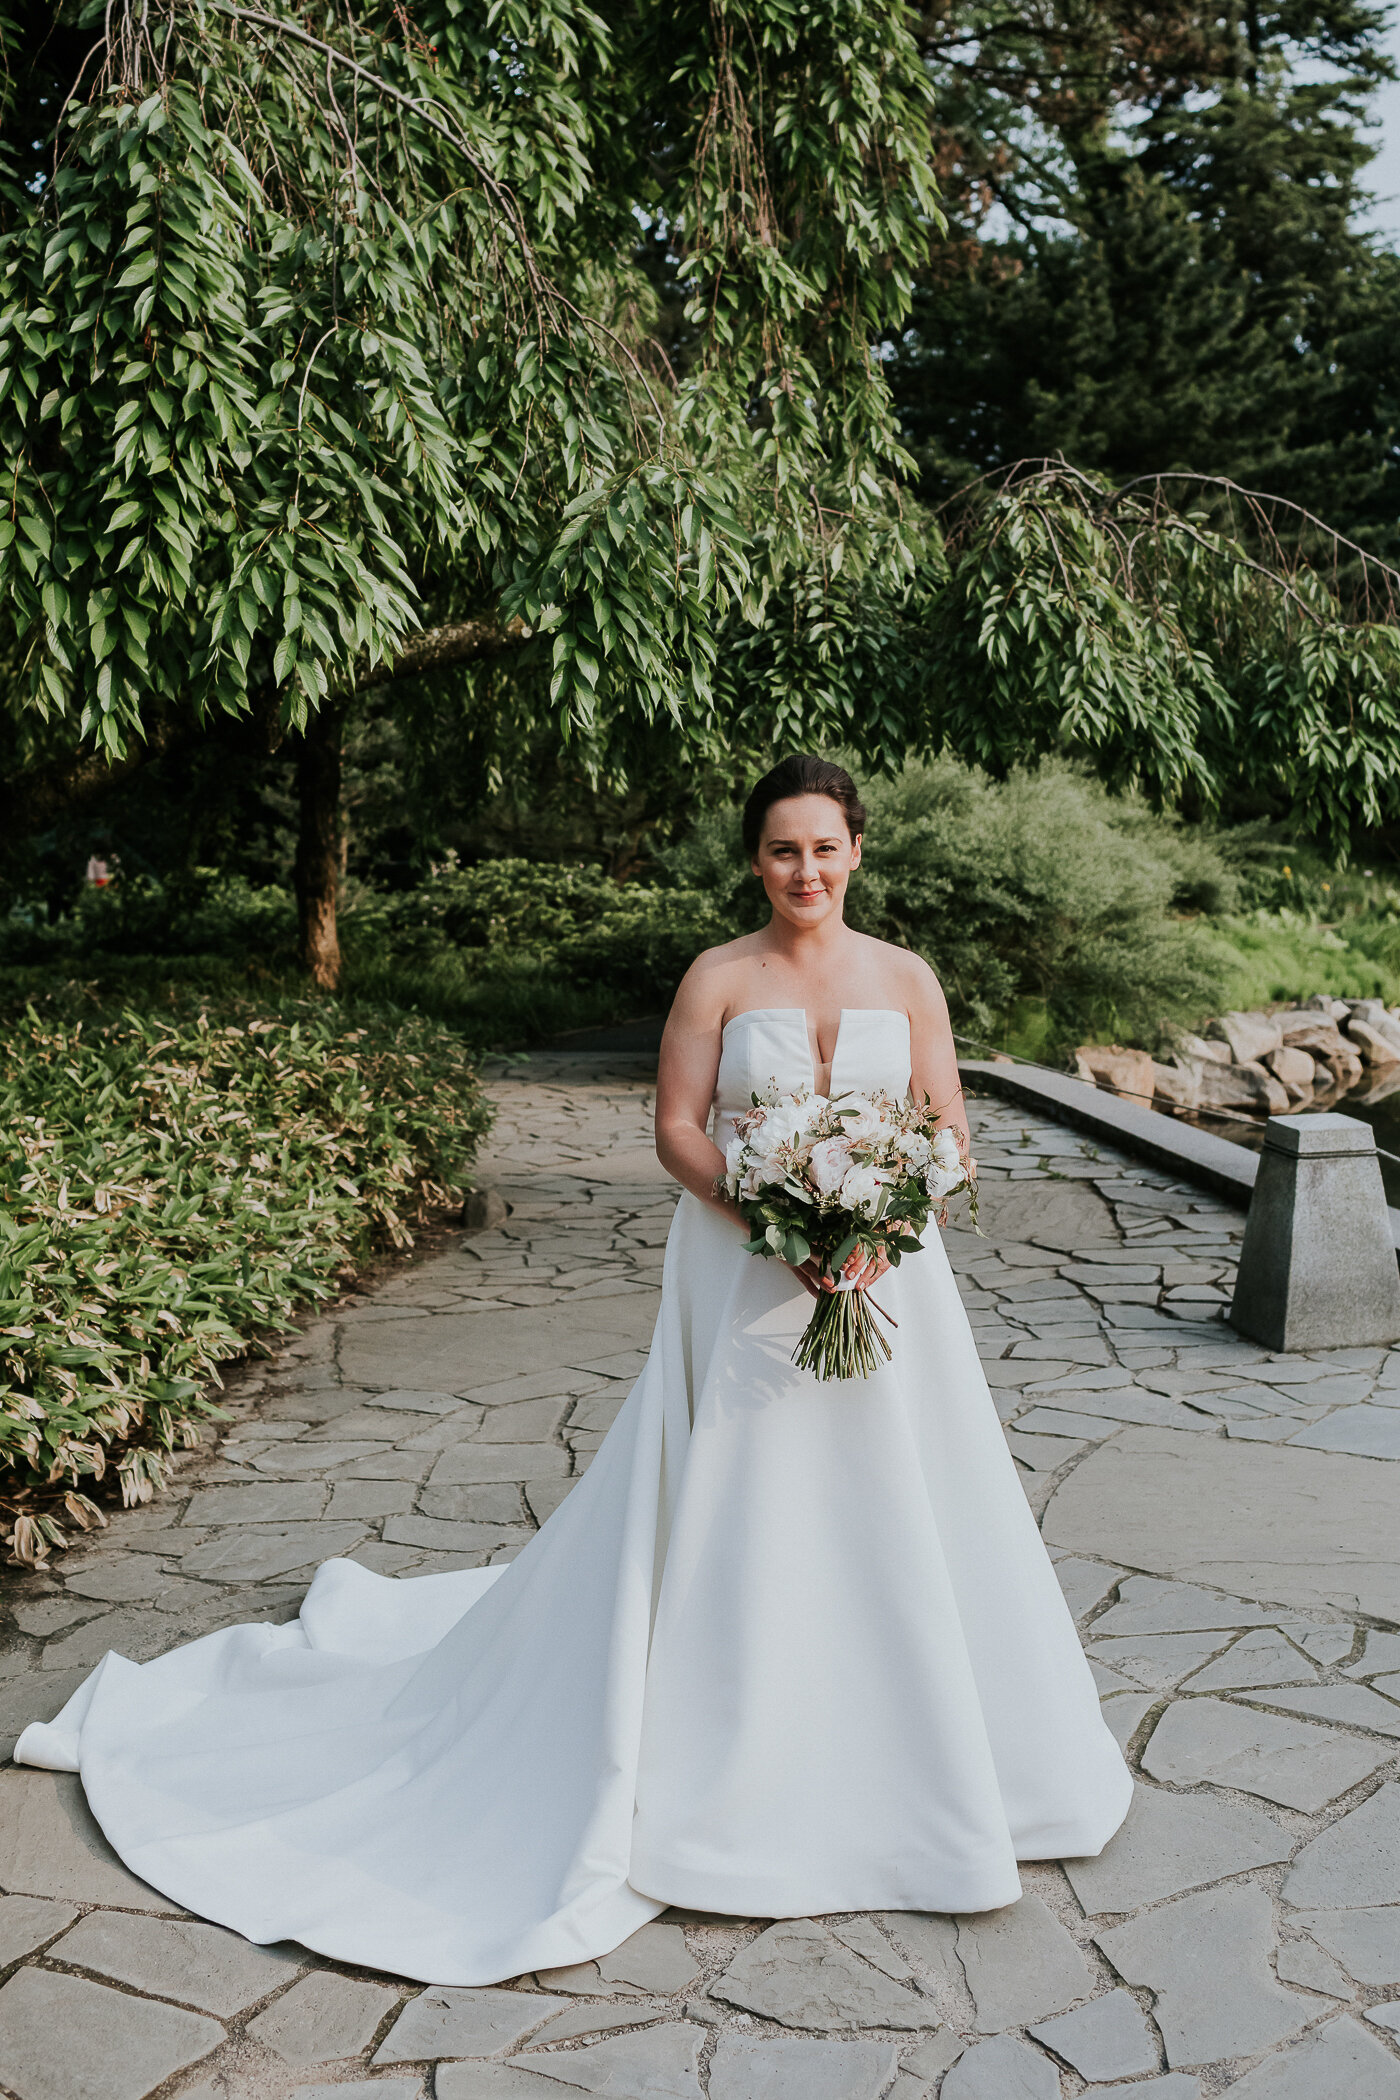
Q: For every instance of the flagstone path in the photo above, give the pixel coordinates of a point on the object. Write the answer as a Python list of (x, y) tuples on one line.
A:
[(1226, 1525)]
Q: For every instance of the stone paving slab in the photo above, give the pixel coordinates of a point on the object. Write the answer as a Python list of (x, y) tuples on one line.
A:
[(1232, 1558)]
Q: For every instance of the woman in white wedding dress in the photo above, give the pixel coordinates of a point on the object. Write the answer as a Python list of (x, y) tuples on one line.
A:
[(788, 1648)]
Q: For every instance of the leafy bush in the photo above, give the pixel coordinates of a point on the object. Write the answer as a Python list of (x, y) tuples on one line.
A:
[(1050, 909), (170, 1186)]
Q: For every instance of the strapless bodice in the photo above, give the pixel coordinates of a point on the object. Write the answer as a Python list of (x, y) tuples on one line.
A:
[(771, 1045)]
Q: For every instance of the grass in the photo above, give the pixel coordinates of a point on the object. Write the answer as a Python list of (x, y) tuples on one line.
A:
[(172, 1186)]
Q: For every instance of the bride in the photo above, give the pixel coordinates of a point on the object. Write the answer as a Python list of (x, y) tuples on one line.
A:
[(788, 1648)]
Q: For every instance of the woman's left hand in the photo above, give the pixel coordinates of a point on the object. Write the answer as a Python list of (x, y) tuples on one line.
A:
[(860, 1270)]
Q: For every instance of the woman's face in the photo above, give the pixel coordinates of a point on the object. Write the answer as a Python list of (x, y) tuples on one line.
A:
[(805, 858)]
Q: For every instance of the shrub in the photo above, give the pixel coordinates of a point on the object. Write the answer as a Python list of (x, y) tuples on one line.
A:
[(170, 1186), (1050, 909)]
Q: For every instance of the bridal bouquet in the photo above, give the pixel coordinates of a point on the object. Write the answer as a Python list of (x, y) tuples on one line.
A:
[(846, 1180)]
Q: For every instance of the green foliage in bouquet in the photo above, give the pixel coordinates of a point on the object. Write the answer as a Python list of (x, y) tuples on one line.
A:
[(171, 1187), (845, 1183)]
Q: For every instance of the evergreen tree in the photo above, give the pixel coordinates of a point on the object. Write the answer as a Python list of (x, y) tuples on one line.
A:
[(1155, 259)]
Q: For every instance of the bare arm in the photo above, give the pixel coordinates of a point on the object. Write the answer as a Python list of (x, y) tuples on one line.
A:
[(685, 1088)]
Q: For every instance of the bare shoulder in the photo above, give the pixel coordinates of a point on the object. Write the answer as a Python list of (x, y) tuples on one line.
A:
[(907, 975), (708, 985)]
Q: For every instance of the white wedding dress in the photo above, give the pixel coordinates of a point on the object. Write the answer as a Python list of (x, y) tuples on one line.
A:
[(786, 1649)]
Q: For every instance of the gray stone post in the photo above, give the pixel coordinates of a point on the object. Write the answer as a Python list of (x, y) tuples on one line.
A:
[(1317, 1268)]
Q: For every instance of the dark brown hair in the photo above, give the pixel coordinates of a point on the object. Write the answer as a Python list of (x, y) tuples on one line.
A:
[(802, 774)]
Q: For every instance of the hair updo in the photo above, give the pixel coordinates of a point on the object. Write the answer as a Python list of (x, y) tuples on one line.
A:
[(802, 774)]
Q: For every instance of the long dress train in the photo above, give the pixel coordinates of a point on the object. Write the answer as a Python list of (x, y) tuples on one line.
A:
[(787, 1648)]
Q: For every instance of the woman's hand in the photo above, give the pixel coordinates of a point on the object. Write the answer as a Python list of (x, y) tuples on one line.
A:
[(860, 1271)]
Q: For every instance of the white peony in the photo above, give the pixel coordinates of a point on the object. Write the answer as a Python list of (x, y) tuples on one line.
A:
[(830, 1164), (945, 1149), (941, 1181), (869, 1124), (914, 1149), (788, 1120), (734, 1156), (862, 1191)]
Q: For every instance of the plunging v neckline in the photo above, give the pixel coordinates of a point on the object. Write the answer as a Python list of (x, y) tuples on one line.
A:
[(810, 1035)]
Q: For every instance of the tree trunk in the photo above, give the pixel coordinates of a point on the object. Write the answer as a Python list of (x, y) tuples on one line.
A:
[(318, 860)]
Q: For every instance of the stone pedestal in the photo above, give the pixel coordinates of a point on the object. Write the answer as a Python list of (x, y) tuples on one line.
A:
[(1317, 1269)]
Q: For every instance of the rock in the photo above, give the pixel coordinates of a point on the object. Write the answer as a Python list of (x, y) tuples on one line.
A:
[(1178, 1083), (1171, 1842), (200, 1965), (1249, 1035), (364, 2088), (51, 1846), (27, 1921), (1365, 1942), (601, 2018), (1318, 1034), (1299, 1961), (1020, 1964), (1207, 1958), (798, 1974), (1129, 1072), (931, 1941), (1292, 1762), (1353, 1705), (1295, 1071), (1148, 1606), (457, 2020), (1377, 1048), (323, 2017), (798, 2069), (1197, 1047), (1385, 2016), (1108, 2038), (1373, 1013), (1175, 2086), (1242, 1086), (1003, 2069), (1343, 1066), (114, 2046), (1312, 1529), (478, 2081), (654, 1959), (251, 1554), (1157, 1660), (1369, 1432), (270, 1502), (1340, 2062), (1354, 1863), (484, 1210), (660, 2063), (864, 1938), (1258, 1659), (932, 2057)]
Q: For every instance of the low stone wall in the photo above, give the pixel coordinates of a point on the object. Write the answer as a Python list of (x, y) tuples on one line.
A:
[(1268, 1064)]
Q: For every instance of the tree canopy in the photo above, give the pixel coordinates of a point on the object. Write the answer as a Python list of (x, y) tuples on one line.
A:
[(324, 326)]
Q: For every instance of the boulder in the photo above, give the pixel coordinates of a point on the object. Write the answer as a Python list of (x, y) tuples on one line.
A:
[(1295, 1071), (1186, 1047), (1323, 1003), (1178, 1083), (1377, 1048), (1316, 1033), (1248, 1086), (1250, 1036), (1121, 1071)]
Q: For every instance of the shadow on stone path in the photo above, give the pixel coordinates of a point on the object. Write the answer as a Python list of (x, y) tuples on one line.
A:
[(1224, 1523)]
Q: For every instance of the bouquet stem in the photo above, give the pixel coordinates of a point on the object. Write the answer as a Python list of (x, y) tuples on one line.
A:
[(840, 1339)]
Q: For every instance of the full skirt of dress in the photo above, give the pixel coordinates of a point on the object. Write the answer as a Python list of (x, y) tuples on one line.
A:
[(787, 1648)]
